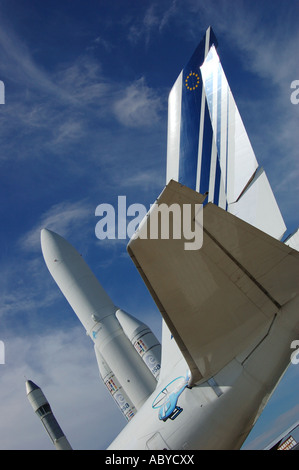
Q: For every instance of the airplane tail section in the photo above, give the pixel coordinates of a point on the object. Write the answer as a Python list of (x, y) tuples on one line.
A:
[(208, 149), (220, 301), (187, 109)]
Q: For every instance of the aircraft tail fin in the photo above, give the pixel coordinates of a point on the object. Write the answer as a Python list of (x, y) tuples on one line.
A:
[(208, 148), (186, 115)]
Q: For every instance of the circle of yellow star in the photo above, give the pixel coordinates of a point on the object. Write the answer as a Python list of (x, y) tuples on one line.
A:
[(192, 81)]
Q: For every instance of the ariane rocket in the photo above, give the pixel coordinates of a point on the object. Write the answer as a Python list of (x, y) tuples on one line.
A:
[(127, 351), (43, 410)]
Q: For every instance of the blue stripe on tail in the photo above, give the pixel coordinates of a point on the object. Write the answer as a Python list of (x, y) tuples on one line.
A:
[(190, 122)]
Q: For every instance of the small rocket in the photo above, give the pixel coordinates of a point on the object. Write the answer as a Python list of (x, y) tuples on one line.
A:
[(127, 351), (43, 410)]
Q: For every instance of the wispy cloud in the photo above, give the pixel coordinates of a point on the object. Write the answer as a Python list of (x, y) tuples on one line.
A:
[(155, 19), (26, 287), (24, 292), (18, 65), (77, 83), (278, 426), (100, 41), (54, 110), (63, 364), (69, 131), (64, 218), (138, 105), (82, 81), (141, 179)]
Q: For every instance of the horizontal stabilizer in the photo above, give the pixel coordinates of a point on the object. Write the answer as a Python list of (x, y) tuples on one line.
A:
[(215, 300), (257, 206), (293, 240)]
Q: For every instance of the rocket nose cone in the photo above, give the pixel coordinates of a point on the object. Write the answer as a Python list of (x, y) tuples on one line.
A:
[(57, 252), (46, 239), (49, 238), (46, 236), (30, 386), (52, 245)]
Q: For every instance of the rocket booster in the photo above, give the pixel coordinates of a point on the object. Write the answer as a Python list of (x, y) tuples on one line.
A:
[(96, 311), (115, 389), (43, 410), (143, 340)]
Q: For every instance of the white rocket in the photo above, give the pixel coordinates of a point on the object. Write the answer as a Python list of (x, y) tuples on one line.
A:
[(43, 410), (127, 352)]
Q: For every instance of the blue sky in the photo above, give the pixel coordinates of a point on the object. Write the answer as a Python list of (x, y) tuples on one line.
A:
[(85, 120)]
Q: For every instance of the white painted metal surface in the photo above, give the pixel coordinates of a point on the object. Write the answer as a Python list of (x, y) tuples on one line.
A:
[(96, 312), (44, 412), (143, 340)]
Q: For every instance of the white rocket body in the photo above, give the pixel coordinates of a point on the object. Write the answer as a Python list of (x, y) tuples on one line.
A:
[(114, 388), (96, 311), (43, 410), (143, 340)]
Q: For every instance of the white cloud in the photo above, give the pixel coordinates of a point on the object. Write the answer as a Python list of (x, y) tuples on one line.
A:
[(150, 178), (63, 364), (100, 41), (154, 20), (78, 83), (138, 105), (70, 130), (82, 81), (25, 285), (18, 64), (64, 218)]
